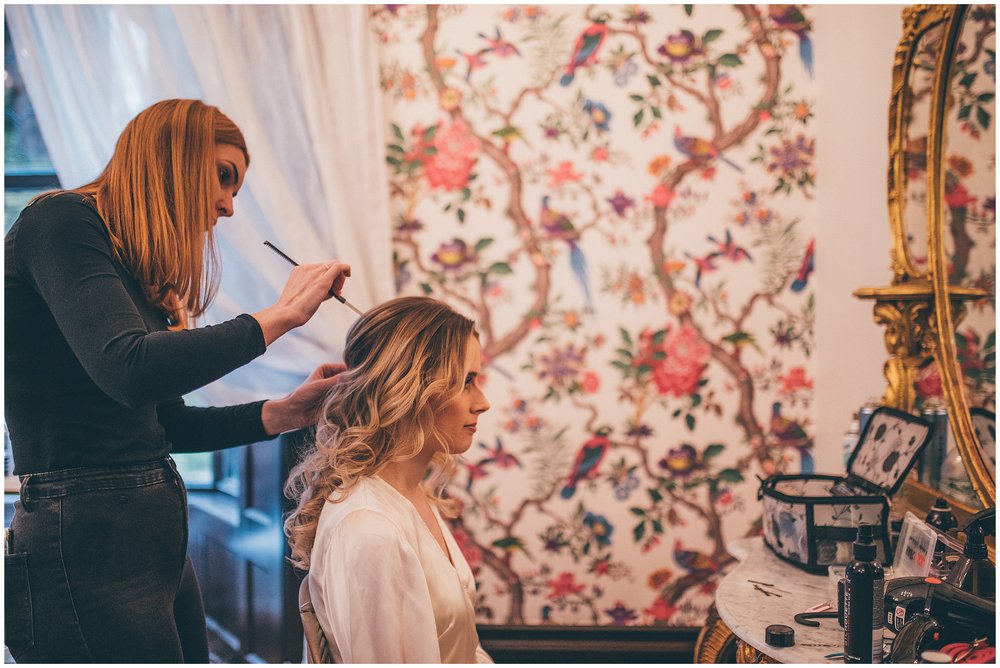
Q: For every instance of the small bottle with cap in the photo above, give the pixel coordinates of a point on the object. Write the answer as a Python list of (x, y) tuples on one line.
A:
[(864, 593), (943, 519)]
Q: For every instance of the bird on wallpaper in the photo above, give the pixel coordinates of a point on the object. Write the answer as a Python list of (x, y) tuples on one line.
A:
[(499, 456), (474, 61), (558, 226), (587, 45), (808, 264), (700, 150), (587, 460), (788, 433), (476, 471), (790, 18), (693, 562), (728, 249), (702, 266), (499, 46)]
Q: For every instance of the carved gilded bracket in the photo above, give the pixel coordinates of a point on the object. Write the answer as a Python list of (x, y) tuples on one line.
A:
[(907, 312)]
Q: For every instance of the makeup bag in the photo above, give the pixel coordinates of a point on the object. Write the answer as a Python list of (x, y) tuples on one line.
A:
[(811, 520)]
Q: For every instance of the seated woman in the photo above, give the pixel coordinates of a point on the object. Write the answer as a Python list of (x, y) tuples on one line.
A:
[(387, 579)]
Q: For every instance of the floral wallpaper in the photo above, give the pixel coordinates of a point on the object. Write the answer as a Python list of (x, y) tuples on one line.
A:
[(624, 198)]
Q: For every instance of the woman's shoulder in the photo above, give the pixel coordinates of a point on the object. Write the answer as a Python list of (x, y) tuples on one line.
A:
[(62, 203), (367, 508), (54, 213), (59, 220)]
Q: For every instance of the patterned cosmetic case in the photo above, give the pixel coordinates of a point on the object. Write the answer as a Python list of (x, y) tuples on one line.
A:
[(811, 520)]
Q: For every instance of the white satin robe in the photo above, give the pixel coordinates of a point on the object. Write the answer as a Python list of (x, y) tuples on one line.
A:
[(383, 589)]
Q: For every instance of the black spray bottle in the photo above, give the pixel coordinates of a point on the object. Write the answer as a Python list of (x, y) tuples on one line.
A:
[(974, 572), (864, 593)]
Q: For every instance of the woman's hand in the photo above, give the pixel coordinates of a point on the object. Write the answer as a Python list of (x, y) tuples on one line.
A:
[(308, 286), (301, 408)]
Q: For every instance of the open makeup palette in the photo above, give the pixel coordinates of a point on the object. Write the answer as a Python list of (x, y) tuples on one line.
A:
[(811, 520)]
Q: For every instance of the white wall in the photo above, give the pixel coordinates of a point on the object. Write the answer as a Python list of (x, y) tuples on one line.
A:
[(854, 47)]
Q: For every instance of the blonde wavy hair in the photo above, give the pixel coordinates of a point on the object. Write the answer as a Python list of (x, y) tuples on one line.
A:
[(405, 361), (156, 198)]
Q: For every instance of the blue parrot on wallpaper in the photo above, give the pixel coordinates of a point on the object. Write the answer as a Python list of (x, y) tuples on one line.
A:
[(558, 226), (790, 18), (790, 434), (587, 460), (808, 264), (587, 46), (700, 150)]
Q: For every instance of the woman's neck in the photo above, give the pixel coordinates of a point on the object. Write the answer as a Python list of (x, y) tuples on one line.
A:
[(406, 476)]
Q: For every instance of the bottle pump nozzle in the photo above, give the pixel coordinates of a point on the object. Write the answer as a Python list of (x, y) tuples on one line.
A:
[(864, 546)]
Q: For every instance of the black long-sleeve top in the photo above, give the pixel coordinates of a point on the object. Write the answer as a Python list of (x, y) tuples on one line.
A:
[(93, 377)]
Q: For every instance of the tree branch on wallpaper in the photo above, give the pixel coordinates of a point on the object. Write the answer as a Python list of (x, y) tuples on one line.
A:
[(636, 301)]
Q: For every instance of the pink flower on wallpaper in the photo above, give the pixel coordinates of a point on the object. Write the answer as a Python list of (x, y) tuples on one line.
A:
[(661, 196), (928, 382), (564, 585), (959, 197), (678, 375), (457, 150), (661, 611), (600, 154), (591, 382), (563, 173), (794, 380)]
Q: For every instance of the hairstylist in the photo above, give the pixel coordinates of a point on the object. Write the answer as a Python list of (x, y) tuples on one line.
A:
[(100, 283)]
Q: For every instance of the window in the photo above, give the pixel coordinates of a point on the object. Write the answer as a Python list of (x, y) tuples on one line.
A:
[(26, 165), (28, 172)]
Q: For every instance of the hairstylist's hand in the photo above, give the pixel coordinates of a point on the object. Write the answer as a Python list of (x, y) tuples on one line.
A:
[(301, 408), (308, 286)]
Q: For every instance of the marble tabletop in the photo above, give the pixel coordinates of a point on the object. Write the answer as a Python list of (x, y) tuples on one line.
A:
[(747, 611)]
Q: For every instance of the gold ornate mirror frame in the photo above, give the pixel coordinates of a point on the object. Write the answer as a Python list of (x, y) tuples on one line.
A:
[(981, 473), (916, 328)]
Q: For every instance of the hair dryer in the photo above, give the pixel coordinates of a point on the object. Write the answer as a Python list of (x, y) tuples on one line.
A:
[(927, 613)]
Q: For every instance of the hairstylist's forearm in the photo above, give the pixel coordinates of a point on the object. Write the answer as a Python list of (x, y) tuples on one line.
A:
[(275, 321), (277, 419)]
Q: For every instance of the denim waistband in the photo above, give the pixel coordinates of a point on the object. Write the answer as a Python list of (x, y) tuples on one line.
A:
[(52, 484)]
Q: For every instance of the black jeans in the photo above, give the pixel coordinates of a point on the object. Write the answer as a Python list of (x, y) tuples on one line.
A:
[(96, 569)]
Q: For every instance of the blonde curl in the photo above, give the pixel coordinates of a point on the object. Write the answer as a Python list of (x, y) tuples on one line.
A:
[(405, 362)]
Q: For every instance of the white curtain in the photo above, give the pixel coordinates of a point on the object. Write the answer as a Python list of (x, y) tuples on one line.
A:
[(301, 81)]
